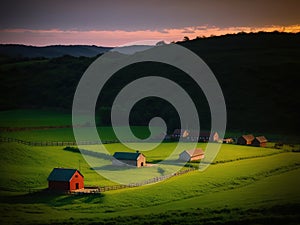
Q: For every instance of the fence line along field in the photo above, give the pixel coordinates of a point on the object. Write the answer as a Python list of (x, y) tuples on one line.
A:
[(50, 125), (244, 185), (239, 184)]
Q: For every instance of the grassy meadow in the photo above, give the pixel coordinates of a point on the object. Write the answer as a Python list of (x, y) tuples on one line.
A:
[(242, 180), (34, 118), (244, 185)]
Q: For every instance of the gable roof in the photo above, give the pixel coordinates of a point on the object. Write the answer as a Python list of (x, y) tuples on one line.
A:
[(248, 137), (195, 152), (62, 174), (261, 139), (127, 155)]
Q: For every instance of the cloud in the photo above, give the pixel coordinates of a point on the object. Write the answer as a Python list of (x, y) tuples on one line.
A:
[(121, 37)]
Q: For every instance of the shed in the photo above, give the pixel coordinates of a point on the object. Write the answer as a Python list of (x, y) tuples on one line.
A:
[(228, 140), (191, 155), (129, 158), (245, 139), (63, 179), (260, 141)]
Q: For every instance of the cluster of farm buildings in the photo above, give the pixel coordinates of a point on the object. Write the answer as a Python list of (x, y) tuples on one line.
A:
[(191, 135), (63, 179)]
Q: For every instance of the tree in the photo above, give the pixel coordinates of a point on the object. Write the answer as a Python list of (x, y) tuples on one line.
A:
[(186, 38)]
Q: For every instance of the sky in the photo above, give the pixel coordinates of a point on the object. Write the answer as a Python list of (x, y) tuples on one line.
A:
[(115, 23)]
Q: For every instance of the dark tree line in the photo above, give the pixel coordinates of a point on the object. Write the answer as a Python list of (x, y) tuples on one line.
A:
[(258, 73)]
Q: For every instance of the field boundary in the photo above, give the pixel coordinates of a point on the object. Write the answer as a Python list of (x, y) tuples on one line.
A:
[(56, 143), (100, 189), (12, 129), (138, 184)]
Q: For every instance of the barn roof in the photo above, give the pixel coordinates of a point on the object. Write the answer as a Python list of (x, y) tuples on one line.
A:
[(248, 137), (261, 139), (195, 152), (62, 174), (127, 155)]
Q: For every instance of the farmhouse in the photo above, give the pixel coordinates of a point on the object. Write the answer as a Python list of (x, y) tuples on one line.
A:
[(191, 155), (260, 141), (61, 179), (129, 158), (245, 139)]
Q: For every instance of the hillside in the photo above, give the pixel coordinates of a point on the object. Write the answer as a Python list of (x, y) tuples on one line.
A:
[(13, 50), (263, 190), (258, 73)]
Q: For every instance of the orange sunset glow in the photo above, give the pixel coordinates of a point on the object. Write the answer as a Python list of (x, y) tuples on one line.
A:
[(116, 23), (120, 37)]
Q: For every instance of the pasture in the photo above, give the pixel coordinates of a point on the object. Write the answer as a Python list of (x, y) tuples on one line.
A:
[(66, 134), (34, 118), (242, 180), (244, 185)]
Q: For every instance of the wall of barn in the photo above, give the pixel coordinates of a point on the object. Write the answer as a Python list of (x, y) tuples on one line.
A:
[(58, 185), (76, 179)]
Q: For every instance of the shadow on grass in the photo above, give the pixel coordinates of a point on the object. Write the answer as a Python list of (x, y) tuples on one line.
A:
[(114, 168), (89, 153), (52, 198)]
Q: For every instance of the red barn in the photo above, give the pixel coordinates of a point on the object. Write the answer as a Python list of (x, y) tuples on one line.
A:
[(61, 179)]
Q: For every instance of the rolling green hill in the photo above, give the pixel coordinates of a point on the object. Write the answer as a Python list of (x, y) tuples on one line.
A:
[(258, 74), (53, 51), (243, 191)]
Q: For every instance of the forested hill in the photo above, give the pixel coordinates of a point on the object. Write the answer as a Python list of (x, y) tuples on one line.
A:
[(258, 73), (12, 50)]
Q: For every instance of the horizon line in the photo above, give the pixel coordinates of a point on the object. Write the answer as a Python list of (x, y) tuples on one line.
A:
[(198, 37)]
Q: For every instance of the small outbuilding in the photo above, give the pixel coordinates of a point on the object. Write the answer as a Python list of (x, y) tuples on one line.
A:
[(191, 155), (260, 141), (228, 140), (245, 139), (129, 159), (63, 179)]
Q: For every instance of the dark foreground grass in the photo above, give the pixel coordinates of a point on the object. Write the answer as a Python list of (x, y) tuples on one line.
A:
[(280, 214), (287, 214)]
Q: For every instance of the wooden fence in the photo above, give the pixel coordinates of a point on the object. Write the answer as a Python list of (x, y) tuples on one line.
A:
[(63, 143), (117, 187), (56, 143), (150, 181)]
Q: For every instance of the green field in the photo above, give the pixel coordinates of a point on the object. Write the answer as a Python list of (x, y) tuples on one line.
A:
[(37, 118), (244, 185), (66, 134), (34, 118), (242, 180)]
